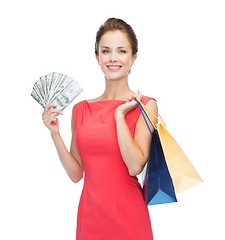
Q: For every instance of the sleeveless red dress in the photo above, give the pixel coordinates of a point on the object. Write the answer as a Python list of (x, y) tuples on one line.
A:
[(111, 206)]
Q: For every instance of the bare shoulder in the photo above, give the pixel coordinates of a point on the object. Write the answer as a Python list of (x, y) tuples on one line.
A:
[(153, 107), (94, 100)]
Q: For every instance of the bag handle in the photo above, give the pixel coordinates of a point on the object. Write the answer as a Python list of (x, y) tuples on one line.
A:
[(145, 109), (143, 112)]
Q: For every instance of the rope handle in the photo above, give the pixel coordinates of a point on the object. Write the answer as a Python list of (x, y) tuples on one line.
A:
[(145, 109)]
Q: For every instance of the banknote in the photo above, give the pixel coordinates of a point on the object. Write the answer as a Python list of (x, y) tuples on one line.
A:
[(57, 88)]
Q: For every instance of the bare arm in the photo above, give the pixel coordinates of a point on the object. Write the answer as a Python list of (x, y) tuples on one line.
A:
[(135, 150), (71, 161)]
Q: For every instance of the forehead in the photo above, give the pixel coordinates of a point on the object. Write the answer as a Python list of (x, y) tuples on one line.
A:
[(115, 38)]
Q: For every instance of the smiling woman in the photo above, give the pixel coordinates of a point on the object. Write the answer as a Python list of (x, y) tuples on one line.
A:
[(110, 144), (118, 25), (115, 55)]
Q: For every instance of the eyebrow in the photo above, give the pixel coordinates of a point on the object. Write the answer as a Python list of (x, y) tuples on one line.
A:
[(109, 47)]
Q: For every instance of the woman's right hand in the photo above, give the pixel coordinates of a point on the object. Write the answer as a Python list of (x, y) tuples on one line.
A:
[(49, 118)]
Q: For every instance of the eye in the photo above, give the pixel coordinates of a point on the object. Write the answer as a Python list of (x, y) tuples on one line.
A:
[(105, 51), (122, 51)]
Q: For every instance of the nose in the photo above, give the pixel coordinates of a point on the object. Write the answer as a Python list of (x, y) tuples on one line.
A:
[(113, 56)]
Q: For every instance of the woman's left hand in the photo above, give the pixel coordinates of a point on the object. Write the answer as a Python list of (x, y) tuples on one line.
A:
[(129, 105)]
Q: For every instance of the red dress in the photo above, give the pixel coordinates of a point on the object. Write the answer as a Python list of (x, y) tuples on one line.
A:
[(111, 206)]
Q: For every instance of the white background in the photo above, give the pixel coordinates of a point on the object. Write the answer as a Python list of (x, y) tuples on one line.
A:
[(180, 63)]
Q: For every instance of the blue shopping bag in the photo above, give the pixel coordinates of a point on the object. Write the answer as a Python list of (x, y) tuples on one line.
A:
[(158, 185)]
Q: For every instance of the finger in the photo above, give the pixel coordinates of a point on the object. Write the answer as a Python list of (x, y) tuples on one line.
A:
[(139, 94), (51, 116), (136, 95), (50, 121), (48, 117), (54, 110), (52, 106), (131, 98), (48, 107), (138, 91)]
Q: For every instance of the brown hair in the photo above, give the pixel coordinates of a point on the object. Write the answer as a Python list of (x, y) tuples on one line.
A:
[(113, 24)]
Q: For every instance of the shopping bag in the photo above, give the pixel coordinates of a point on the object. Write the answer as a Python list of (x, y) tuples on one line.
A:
[(182, 171), (158, 186)]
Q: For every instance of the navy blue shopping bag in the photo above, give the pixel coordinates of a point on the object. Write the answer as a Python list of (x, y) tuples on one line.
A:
[(158, 185)]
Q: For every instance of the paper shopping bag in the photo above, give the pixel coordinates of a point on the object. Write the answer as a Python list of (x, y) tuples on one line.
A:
[(182, 171), (158, 186)]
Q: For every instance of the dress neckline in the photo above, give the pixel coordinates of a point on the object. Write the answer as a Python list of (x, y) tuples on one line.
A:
[(109, 100)]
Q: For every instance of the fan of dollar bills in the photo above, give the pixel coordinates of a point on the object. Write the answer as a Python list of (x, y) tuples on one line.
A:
[(57, 88)]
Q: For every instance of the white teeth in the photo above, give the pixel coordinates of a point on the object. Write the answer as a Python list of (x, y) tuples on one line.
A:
[(114, 67)]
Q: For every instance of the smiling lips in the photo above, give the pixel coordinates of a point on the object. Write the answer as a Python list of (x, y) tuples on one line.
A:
[(114, 68)]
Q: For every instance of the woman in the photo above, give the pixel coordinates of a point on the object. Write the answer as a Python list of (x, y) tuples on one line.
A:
[(110, 144)]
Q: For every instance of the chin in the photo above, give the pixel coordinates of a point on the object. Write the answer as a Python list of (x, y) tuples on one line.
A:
[(115, 77)]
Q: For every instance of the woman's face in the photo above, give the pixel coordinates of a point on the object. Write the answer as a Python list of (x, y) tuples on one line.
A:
[(115, 55)]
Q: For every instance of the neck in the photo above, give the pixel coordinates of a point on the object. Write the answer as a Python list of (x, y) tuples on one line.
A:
[(116, 89)]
